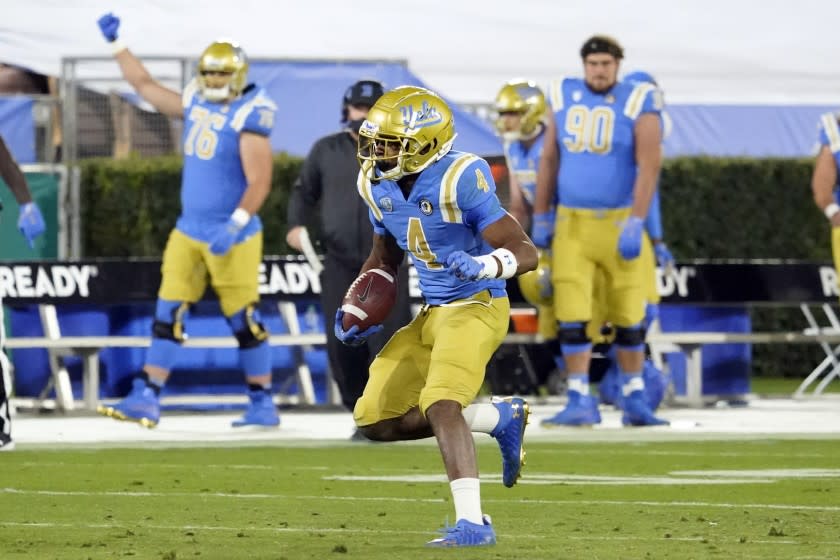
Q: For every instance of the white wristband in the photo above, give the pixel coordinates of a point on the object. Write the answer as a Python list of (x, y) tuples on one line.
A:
[(831, 210), (240, 217), (117, 46), (501, 263)]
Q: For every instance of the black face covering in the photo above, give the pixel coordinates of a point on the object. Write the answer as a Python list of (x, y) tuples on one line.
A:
[(355, 125)]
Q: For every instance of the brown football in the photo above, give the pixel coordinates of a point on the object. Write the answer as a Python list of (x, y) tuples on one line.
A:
[(369, 299)]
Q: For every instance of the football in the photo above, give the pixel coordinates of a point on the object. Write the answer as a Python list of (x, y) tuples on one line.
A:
[(369, 299)]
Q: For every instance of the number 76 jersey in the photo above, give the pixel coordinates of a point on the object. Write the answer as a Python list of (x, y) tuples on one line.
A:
[(451, 203), (595, 136)]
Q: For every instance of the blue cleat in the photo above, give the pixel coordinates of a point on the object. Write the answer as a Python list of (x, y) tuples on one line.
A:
[(581, 410), (510, 433), (141, 405), (637, 412), (261, 412), (465, 533)]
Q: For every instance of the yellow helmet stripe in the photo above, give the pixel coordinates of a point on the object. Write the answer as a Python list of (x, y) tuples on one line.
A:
[(636, 100), (555, 94), (365, 188), (832, 130), (259, 100), (449, 192)]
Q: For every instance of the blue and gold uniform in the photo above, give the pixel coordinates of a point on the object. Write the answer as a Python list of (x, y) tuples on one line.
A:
[(213, 183), (595, 184), (443, 352), (523, 160)]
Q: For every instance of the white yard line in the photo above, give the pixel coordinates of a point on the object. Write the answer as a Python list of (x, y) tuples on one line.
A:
[(224, 495)]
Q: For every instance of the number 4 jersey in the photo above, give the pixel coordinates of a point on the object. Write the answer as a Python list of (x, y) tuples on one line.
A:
[(213, 181), (595, 135), (451, 203)]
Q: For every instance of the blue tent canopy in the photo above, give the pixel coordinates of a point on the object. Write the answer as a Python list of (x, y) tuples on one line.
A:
[(308, 96)]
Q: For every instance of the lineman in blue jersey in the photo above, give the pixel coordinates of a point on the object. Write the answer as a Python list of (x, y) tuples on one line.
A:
[(825, 180), (601, 161), (440, 206), (218, 236)]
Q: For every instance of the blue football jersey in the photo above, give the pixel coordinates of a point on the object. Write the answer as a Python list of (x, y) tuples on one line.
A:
[(213, 180), (595, 135), (523, 163), (830, 136), (452, 202)]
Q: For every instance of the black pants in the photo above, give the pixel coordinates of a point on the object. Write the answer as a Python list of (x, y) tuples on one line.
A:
[(349, 364)]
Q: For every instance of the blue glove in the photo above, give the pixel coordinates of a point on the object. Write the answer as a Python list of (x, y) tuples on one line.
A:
[(109, 24), (630, 240), (31, 222), (352, 336), (664, 258), (542, 229), (224, 239), (463, 266)]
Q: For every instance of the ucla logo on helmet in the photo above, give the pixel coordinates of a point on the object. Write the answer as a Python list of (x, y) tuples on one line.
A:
[(369, 128), (386, 204), (427, 115), (426, 206)]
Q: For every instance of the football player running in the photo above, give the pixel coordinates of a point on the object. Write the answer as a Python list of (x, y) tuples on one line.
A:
[(218, 235), (440, 206), (600, 162)]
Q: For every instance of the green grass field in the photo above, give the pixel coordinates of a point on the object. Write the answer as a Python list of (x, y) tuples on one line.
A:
[(735, 499)]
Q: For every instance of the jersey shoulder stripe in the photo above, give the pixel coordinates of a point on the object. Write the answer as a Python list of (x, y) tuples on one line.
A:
[(260, 100), (449, 188), (636, 100)]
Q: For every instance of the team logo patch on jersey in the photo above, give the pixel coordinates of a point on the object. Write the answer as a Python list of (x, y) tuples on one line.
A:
[(386, 204), (426, 206), (610, 98), (577, 96)]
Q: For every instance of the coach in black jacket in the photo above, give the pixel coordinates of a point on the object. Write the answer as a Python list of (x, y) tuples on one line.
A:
[(326, 187)]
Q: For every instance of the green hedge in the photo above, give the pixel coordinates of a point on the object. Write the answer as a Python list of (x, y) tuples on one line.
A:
[(711, 207), (129, 206)]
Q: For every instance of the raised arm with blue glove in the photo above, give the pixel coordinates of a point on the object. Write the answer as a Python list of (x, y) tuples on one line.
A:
[(109, 25)]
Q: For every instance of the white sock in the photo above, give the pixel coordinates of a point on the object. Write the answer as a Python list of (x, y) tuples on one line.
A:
[(466, 493), (578, 382), (632, 382), (482, 418)]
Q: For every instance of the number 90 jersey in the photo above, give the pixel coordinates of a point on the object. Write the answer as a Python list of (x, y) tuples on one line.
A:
[(213, 180), (451, 203), (595, 136)]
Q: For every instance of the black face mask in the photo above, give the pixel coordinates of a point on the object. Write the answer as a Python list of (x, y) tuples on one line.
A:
[(355, 125)]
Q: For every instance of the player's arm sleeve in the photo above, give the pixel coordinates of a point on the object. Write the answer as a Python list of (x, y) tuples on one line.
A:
[(653, 222), (476, 200)]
